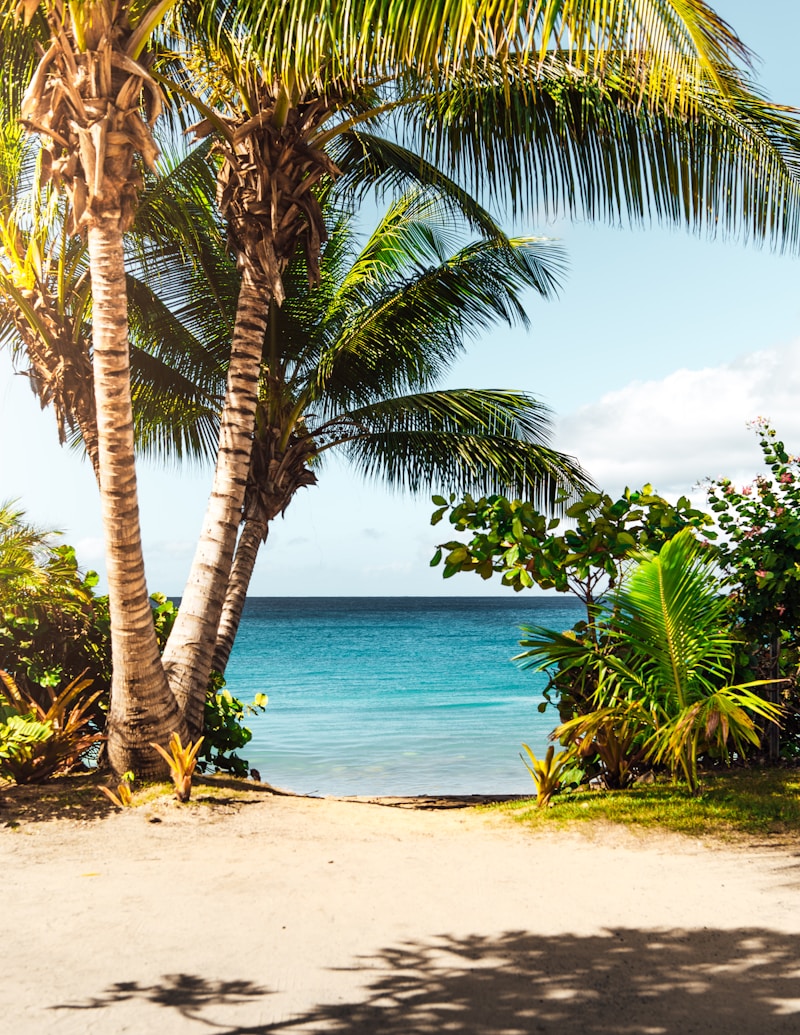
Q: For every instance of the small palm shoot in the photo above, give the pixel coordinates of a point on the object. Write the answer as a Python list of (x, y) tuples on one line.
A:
[(182, 761), (547, 772), (123, 799)]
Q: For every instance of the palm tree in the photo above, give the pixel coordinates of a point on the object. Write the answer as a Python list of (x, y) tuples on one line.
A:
[(351, 366), (93, 102), (44, 284), (603, 107)]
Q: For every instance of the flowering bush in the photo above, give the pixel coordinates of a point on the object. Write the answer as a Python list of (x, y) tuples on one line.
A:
[(760, 549), (760, 555)]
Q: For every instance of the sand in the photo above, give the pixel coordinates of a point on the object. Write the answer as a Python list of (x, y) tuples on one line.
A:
[(285, 914)]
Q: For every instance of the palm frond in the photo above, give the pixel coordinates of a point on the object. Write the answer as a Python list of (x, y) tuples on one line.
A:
[(177, 380), (573, 145), (387, 333), (370, 163), (309, 43), (176, 205), (460, 440), (670, 617)]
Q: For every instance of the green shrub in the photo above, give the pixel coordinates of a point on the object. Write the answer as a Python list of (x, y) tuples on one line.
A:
[(36, 741)]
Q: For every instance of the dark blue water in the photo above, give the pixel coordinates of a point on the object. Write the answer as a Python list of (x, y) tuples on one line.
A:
[(394, 695)]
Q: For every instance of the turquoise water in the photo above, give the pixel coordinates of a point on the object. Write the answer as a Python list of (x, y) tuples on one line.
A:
[(393, 695)]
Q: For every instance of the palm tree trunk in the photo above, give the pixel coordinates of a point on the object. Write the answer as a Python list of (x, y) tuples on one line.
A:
[(254, 533), (142, 709), (188, 654)]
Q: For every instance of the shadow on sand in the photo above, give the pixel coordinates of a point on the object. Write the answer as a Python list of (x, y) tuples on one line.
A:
[(626, 982)]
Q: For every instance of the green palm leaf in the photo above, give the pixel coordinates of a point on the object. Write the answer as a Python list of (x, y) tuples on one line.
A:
[(567, 144), (466, 440), (670, 615), (669, 42)]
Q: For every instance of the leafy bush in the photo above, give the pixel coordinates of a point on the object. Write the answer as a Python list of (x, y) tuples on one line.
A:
[(52, 627), (760, 555), (587, 554), (645, 678), (20, 737), (225, 732), (664, 673)]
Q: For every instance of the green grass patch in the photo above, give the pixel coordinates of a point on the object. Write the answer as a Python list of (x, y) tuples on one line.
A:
[(739, 802)]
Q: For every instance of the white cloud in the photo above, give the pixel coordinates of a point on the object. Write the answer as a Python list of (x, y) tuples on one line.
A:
[(90, 552), (688, 426)]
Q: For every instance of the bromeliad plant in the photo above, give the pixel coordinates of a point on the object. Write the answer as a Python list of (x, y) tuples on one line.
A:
[(123, 799), (182, 761), (42, 740), (664, 667), (547, 772)]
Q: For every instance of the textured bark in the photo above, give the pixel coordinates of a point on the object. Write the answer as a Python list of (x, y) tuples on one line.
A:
[(93, 104), (187, 657), (254, 533), (277, 472), (142, 707), (266, 194)]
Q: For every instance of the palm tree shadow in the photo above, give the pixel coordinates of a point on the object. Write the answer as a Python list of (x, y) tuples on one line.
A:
[(622, 981), (186, 994)]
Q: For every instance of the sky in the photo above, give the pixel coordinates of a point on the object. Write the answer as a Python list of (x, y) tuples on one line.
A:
[(660, 349)]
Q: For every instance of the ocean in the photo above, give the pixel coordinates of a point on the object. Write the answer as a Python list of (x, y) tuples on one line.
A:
[(394, 695)]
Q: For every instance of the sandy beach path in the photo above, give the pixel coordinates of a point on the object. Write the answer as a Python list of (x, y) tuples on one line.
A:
[(292, 915)]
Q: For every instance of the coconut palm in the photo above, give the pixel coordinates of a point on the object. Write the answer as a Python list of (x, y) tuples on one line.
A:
[(352, 365), (93, 102), (602, 107)]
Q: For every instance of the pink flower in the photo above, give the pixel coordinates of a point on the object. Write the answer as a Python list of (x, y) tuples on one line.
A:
[(786, 478), (779, 511), (747, 490), (761, 573)]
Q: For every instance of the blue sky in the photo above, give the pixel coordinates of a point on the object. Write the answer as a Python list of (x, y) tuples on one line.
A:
[(660, 349)]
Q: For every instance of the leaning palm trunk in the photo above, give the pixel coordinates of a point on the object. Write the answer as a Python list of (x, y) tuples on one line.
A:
[(277, 473), (264, 157), (142, 708), (85, 100), (188, 654), (253, 534)]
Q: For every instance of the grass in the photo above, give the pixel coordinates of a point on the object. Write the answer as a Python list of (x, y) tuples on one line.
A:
[(734, 804), (76, 797)]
